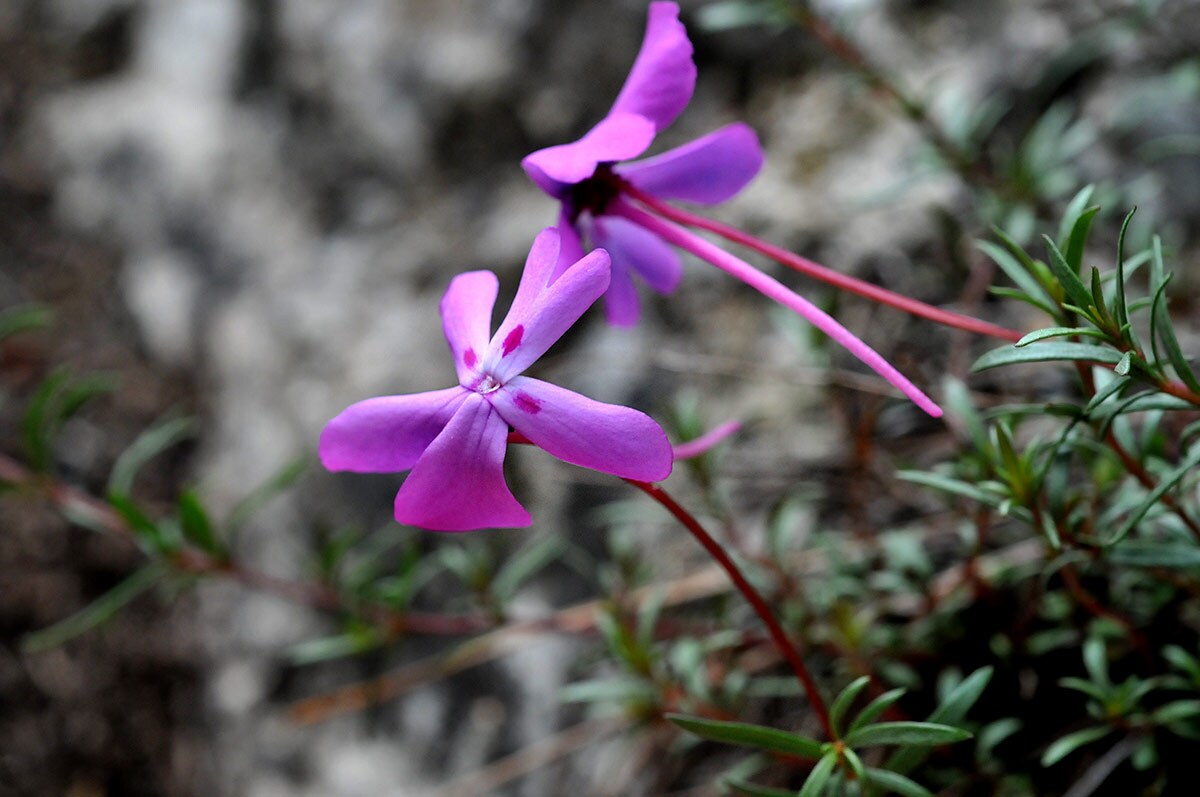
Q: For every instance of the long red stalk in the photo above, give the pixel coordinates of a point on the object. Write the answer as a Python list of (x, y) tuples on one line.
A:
[(748, 591), (822, 273)]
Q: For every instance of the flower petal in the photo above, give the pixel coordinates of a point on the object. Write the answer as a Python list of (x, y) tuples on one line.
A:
[(663, 76), (458, 483), (708, 170), (389, 433), (618, 137), (539, 269), (467, 319), (650, 256), (604, 437), (521, 339), (622, 307), (570, 245)]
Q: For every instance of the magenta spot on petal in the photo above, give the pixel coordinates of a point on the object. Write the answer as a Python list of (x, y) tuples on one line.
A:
[(513, 340), (527, 403), (469, 358)]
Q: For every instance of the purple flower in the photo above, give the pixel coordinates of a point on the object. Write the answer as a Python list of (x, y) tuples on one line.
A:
[(586, 176), (454, 440)]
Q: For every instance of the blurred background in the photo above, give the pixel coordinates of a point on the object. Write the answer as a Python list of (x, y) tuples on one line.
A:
[(247, 211)]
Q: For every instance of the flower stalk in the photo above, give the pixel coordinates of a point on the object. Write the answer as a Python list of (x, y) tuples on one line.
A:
[(776, 291), (823, 273)]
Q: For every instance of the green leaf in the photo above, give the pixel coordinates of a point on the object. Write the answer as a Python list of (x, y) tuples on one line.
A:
[(1161, 328), (149, 444), (919, 733), (147, 532), (1185, 468), (734, 14), (1013, 293), (1078, 240), (1047, 352), (1120, 310), (1176, 711), (965, 489), (1124, 364), (951, 711), (284, 478), (747, 735), (1058, 332), (894, 782), (23, 318), (1067, 277), (1070, 743), (96, 612), (524, 565), (621, 691), (1173, 555), (196, 525), (815, 783), (1073, 212), (752, 790), (845, 699), (1103, 394), (58, 398), (1022, 276), (876, 707)]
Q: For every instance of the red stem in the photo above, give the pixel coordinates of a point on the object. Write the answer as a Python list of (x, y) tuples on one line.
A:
[(822, 273), (756, 600)]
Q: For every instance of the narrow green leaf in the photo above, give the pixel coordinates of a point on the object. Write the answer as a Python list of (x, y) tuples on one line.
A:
[(1073, 212), (1058, 332), (1013, 293), (894, 782), (1176, 711), (1047, 352), (920, 733), (747, 735), (37, 426), (1124, 364), (524, 565), (1070, 743), (149, 444), (855, 764), (845, 699), (965, 489), (284, 478), (876, 707), (1186, 466), (1019, 274), (622, 691), (196, 525), (1120, 310), (819, 776), (1103, 394), (1095, 660), (1067, 277), (96, 612), (23, 318), (752, 790), (143, 527), (951, 711), (1138, 553)]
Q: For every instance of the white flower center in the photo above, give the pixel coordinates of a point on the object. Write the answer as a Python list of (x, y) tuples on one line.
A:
[(488, 384)]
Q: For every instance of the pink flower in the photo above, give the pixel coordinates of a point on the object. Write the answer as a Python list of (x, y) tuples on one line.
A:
[(586, 176), (454, 440)]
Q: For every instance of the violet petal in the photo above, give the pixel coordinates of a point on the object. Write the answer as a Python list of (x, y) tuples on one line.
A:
[(521, 339), (650, 256), (604, 437), (389, 433), (618, 137), (663, 75), (467, 319), (458, 483), (708, 170)]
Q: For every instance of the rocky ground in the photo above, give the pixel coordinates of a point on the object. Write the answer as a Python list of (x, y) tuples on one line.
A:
[(249, 210)]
